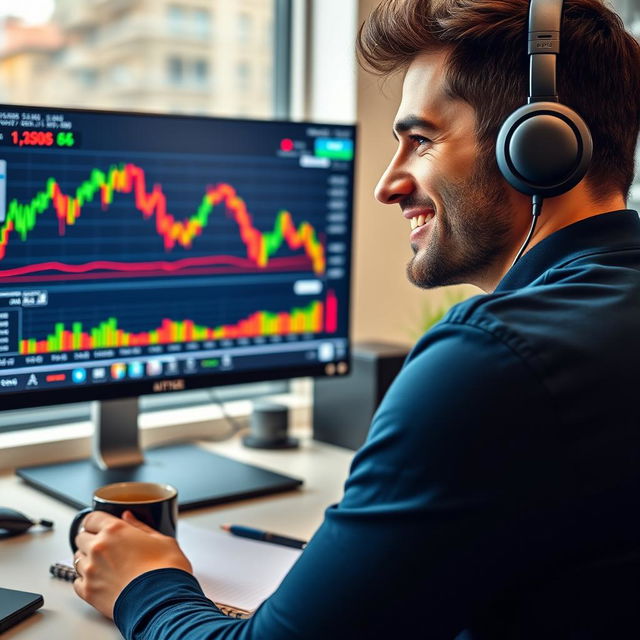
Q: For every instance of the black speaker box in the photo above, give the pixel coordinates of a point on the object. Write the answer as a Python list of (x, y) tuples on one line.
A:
[(343, 407)]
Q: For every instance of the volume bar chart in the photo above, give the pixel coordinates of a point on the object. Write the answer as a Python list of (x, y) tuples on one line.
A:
[(316, 317)]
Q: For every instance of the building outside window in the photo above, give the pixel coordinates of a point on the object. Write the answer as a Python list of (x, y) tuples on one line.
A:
[(147, 55)]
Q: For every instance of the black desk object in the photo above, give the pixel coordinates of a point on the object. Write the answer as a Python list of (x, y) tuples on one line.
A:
[(217, 480), (16, 606)]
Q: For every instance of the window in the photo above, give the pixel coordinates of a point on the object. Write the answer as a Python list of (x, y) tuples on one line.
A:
[(175, 70), (88, 77), (201, 72), (201, 20), (176, 16), (245, 25), (243, 74), (121, 75)]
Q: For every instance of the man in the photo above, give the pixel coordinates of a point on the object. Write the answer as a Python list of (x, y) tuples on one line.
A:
[(497, 494)]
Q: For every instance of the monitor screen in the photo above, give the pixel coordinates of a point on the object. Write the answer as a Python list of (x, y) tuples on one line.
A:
[(144, 253)]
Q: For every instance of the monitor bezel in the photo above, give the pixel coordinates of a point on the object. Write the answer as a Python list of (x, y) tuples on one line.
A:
[(129, 388)]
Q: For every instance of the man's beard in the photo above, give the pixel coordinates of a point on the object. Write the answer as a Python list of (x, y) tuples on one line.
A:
[(469, 233)]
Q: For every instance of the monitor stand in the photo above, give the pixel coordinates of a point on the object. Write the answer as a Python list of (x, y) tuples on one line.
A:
[(202, 478)]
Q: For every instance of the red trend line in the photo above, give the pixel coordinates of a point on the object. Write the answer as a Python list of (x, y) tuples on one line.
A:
[(156, 266)]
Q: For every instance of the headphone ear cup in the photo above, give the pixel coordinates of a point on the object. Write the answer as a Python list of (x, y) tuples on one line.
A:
[(544, 149)]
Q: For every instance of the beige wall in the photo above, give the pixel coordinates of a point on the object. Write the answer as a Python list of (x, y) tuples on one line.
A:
[(386, 306)]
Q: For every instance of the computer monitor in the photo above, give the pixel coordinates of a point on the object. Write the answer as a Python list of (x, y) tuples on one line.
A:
[(145, 253)]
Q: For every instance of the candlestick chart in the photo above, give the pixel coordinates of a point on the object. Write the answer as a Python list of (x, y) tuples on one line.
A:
[(150, 203)]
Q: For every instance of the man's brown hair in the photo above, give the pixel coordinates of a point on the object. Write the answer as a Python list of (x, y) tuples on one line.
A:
[(598, 68)]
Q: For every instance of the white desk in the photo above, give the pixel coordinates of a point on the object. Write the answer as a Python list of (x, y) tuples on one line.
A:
[(25, 560)]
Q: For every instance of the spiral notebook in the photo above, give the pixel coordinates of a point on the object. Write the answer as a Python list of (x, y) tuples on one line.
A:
[(236, 573)]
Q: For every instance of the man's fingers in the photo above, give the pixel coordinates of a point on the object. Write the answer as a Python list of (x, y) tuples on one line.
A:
[(96, 521), (129, 518), (78, 587), (83, 541), (77, 558)]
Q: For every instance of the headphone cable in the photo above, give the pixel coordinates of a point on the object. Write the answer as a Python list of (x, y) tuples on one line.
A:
[(536, 209)]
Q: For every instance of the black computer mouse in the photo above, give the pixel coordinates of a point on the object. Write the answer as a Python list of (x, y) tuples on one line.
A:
[(13, 523)]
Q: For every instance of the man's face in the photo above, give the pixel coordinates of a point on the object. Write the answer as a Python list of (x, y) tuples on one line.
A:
[(454, 199)]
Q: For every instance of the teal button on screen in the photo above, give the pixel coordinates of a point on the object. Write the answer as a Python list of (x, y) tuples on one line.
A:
[(334, 148)]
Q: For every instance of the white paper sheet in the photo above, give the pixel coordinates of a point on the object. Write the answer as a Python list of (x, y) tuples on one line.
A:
[(232, 570)]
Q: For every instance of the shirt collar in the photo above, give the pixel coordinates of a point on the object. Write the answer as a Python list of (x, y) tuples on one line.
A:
[(604, 232)]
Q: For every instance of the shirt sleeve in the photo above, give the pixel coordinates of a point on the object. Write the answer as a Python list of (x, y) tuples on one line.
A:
[(436, 518)]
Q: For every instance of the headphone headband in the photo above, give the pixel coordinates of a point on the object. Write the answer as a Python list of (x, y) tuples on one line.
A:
[(545, 17)]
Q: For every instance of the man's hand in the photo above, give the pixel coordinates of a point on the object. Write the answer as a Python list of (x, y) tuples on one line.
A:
[(113, 551)]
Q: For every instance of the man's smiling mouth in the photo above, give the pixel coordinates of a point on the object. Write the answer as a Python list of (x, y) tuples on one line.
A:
[(421, 220)]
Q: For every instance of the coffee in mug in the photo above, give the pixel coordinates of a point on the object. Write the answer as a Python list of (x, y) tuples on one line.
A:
[(154, 504)]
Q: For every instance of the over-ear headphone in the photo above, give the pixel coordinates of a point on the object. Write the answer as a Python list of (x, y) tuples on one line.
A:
[(544, 148)]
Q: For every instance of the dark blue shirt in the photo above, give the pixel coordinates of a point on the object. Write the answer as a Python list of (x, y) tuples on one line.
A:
[(497, 493)]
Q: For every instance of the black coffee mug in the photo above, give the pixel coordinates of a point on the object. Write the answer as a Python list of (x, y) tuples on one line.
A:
[(154, 504)]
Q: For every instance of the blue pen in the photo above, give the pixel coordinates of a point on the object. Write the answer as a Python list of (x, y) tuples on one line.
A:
[(265, 536)]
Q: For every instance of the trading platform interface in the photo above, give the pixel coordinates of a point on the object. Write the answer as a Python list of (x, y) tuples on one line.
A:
[(144, 247)]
